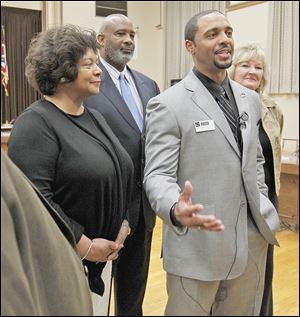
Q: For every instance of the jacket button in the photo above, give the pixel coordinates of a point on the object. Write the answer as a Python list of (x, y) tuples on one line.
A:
[(221, 294)]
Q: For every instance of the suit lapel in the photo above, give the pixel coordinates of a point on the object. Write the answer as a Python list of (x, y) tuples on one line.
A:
[(242, 104), (141, 88), (205, 101), (110, 91)]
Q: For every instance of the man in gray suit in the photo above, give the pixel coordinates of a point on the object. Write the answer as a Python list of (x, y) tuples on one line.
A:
[(122, 100), (202, 143)]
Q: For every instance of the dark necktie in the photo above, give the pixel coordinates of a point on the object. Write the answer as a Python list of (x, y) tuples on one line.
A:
[(229, 114), (129, 100)]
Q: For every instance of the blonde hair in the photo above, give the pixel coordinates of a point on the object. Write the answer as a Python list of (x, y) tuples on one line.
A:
[(251, 51)]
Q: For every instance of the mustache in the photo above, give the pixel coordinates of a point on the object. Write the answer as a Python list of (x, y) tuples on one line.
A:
[(128, 46)]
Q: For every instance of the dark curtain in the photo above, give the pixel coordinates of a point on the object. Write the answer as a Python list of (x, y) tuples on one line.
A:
[(20, 26)]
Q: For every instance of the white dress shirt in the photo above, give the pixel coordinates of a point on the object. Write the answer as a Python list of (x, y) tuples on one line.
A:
[(115, 74)]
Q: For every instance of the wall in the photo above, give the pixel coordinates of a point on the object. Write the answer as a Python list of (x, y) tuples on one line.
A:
[(250, 24), (145, 15), (82, 13), (289, 104), (33, 5), (150, 55)]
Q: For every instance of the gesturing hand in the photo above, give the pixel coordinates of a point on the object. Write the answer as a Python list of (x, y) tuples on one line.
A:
[(190, 215)]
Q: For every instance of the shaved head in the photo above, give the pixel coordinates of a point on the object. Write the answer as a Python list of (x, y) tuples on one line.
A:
[(113, 20), (192, 25), (116, 39)]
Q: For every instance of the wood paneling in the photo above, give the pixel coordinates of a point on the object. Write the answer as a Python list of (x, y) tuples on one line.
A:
[(289, 196)]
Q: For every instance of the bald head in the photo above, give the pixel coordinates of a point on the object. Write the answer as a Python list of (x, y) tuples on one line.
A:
[(116, 39), (113, 20)]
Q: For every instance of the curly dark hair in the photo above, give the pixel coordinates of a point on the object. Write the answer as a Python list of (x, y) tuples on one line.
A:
[(53, 56)]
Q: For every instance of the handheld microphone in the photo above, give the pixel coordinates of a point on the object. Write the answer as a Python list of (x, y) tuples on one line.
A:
[(242, 120)]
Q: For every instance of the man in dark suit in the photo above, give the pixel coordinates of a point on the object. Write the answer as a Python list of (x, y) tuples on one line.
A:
[(122, 100)]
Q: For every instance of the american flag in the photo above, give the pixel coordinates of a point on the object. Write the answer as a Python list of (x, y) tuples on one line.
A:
[(4, 68)]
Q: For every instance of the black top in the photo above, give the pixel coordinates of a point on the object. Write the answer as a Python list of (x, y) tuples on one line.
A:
[(215, 90), (78, 165), (268, 165)]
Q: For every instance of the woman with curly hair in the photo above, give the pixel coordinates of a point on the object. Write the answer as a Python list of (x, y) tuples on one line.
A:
[(69, 152)]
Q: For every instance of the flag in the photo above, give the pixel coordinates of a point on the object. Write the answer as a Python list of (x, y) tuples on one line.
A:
[(4, 68)]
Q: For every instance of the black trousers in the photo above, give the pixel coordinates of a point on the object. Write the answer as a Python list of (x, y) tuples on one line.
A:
[(267, 301), (131, 272)]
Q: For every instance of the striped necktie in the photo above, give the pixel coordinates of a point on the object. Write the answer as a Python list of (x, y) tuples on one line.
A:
[(229, 114)]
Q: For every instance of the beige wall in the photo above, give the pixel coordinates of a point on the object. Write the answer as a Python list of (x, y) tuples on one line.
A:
[(250, 24), (81, 13), (150, 55), (145, 15), (33, 5), (289, 104)]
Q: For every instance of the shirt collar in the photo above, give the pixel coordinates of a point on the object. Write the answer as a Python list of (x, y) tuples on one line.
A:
[(211, 85), (114, 72)]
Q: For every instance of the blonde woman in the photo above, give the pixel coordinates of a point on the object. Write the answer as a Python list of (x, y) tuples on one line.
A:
[(249, 68)]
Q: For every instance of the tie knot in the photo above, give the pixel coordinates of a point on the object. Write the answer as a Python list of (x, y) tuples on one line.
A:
[(222, 91), (122, 77)]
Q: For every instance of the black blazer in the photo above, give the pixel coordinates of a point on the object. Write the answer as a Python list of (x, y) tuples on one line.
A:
[(112, 106)]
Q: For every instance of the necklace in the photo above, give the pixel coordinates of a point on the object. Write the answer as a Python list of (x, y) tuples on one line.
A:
[(66, 109)]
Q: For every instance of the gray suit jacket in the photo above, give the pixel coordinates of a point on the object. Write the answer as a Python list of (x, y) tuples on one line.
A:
[(222, 180)]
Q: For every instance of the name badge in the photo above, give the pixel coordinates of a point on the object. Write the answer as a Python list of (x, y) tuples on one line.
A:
[(206, 125)]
